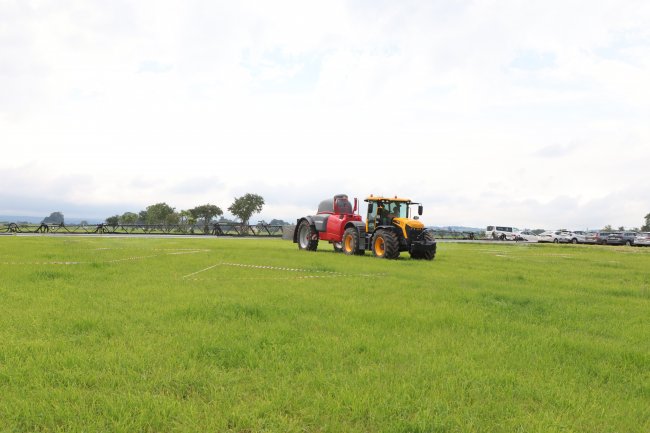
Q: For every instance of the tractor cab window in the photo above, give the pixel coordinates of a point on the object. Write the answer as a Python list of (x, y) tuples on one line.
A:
[(397, 210), (389, 210)]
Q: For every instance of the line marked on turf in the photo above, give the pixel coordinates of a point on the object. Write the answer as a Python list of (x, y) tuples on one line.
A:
[(41, 263), (125, 259), (330, 274), (302, 277), (202, 270)]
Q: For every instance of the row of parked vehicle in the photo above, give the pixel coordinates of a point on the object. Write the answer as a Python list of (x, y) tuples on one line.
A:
[(567, 236)]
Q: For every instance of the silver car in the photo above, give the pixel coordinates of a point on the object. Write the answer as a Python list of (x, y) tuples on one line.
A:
[(577, 237), (555, 236), (527, 236), (642, 239)]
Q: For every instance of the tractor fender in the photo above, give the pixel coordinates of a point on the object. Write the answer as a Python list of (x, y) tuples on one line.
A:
[(307, 218)]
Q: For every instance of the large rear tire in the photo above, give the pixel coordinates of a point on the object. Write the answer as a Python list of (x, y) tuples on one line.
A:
[(385, 244), (307, 236), (350, 242), (425, 255)]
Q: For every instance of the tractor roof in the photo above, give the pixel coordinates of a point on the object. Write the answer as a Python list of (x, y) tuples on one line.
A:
[(380, 198)]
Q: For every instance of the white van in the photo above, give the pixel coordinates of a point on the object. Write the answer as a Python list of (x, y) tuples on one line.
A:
[(501, 233)]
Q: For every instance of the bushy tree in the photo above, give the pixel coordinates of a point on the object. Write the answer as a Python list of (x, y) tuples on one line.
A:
[(54, 218), (159, 213), (128, 218), (206, 213), (245, 206), (112, 220), (172, 218)]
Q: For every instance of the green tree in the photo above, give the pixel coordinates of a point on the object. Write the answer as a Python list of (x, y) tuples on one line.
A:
[(158, 213), (186, 217), (245, 206), (112, 220), (646, 226), (607, 228), (54, 218), (129, 218), (172, 218), (206, 213)]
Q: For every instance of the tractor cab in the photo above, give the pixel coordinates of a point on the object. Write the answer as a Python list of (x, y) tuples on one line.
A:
[(391, 212)]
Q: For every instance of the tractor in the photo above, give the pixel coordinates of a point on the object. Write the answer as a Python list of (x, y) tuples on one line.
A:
[(387, 231)]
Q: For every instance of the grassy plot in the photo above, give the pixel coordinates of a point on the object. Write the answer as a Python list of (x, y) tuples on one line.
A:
[(198, 335)]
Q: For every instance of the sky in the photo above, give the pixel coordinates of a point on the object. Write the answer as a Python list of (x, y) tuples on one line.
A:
[(531, 114)]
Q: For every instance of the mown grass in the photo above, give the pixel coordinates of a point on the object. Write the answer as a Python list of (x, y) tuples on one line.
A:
[(178, 335)]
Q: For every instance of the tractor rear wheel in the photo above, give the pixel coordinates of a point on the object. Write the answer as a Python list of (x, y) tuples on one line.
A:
[(307, 236), (385, 244), (425, 255), (350, 242)]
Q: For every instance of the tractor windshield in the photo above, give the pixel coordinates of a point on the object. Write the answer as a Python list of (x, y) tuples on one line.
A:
[(397, 209)]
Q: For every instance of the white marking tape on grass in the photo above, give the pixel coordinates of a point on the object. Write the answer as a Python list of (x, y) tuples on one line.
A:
[(276, 268), (41, 263), (202, 270), (331, 274), (130, 258), (300, 277), (150, 256), (126, 259)]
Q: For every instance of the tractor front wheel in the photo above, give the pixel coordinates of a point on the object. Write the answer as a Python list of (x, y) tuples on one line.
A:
[(307, 236), (385, 245)]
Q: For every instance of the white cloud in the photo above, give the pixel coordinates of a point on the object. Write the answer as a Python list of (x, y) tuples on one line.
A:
[(200, 101)]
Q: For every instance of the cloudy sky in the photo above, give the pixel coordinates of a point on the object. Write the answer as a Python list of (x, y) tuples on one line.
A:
[(533, 114)]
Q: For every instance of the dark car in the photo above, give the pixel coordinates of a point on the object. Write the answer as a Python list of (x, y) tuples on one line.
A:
[(621, 238), (598, 238)]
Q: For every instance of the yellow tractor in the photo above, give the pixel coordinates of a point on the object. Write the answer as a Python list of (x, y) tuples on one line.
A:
[(389, 229)]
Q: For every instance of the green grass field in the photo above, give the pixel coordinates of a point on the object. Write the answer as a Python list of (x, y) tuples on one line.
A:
[(238, 335)]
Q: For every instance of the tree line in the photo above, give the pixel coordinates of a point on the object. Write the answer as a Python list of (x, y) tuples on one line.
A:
[(243, 208), (161, 213)]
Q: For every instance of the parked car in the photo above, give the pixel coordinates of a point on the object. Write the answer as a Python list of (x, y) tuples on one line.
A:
[(555, 236), (577, 237), (621, 238), (501, 233), (546, 236), (598, 238), (527, 236), (642, 239)]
